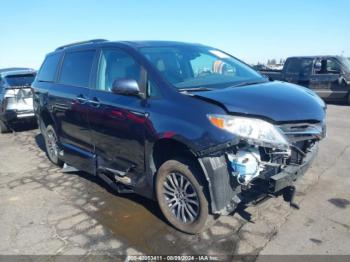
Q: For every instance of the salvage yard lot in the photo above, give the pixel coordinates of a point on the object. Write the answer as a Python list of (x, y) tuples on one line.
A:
[(45, 211)]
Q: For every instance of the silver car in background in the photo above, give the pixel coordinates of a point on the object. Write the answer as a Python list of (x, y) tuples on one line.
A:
[(16, 98)]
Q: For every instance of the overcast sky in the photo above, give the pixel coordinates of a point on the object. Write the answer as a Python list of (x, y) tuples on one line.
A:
[(251, 30)]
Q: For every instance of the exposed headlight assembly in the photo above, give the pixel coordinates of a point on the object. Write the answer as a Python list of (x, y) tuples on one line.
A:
[(255, 131)]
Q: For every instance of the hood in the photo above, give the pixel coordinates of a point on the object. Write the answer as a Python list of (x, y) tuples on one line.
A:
[(277, 101)]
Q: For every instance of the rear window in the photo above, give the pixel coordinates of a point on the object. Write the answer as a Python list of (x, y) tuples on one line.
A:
[(76, 68), (20, 80), (48, 70)]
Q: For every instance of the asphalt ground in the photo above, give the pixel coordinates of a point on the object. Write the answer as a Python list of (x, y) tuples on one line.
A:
[(46, 212)]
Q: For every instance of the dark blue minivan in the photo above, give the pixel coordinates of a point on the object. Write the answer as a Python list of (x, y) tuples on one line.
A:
[(185, 124)]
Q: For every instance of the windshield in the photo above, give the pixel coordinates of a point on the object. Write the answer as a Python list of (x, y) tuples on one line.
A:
[(198, 67), (20, 80)]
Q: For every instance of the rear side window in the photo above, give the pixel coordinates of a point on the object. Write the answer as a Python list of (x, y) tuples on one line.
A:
[(48, 70), (76, 68), (300, 66)]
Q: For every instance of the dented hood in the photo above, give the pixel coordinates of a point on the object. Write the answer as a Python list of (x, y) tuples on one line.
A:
[(277, 101)]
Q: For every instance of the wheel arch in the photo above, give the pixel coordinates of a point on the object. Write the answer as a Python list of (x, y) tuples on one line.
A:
[(46, 117), (169, 148)]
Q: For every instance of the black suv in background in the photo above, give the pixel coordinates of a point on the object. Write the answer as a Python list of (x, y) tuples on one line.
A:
[(327, 76), (185, 124)]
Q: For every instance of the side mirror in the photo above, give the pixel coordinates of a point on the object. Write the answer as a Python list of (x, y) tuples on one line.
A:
[(127, 87)]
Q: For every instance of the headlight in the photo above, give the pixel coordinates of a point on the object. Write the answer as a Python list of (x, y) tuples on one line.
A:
[(254, 130)]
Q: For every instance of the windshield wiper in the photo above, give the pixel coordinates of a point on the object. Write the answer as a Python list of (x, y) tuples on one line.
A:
[(248, 83), (194, 89)]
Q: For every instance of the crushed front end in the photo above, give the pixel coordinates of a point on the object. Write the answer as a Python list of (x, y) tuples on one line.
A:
[(247, 171)]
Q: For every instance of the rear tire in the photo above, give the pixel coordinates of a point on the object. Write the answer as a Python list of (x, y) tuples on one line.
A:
[(348, 100), (51, 145), (182, 196), (4, 128)]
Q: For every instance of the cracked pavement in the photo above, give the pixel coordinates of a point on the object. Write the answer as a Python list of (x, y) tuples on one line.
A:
[(47, 212)]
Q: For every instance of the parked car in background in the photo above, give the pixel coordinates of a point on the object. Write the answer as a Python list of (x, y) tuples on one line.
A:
[(328, 76), (188, 125), (16, 100), (259, 67)]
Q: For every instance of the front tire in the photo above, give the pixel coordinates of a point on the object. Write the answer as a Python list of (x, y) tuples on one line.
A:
[(182, 196), (51, 144)]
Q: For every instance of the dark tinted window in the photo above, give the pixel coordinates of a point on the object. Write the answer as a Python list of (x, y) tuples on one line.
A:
[(76, 68), (300, 66), (20, 80), (48, 69)]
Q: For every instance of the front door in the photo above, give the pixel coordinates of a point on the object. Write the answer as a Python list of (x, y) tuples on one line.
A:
[(117, 121), (326, 81)]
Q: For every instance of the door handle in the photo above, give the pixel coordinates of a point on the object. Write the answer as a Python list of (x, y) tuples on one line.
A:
[(95, 102), (81, 99)]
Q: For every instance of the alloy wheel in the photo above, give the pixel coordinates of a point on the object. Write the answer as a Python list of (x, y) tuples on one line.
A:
[(51, 140), (181, 197)]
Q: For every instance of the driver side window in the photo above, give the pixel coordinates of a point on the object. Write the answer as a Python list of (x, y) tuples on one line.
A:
[(114, 65), (327, 66)]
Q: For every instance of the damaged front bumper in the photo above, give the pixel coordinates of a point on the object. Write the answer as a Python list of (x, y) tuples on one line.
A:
[(225, 190), (291, 173)]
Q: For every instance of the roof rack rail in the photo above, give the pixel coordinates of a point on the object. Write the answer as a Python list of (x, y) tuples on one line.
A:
[(81, 43)]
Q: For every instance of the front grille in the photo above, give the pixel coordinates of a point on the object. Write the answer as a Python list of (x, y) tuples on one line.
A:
[(303, 131), (302, 136)]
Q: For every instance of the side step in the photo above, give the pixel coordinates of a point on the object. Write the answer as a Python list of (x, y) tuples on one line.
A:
[(68, 169), (109, 181), (118, 176), (116, 182)]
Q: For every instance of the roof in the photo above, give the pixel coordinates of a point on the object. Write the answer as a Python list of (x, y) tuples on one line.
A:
[(16, 71), (315, 56), (154, 43), (132, 44)]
